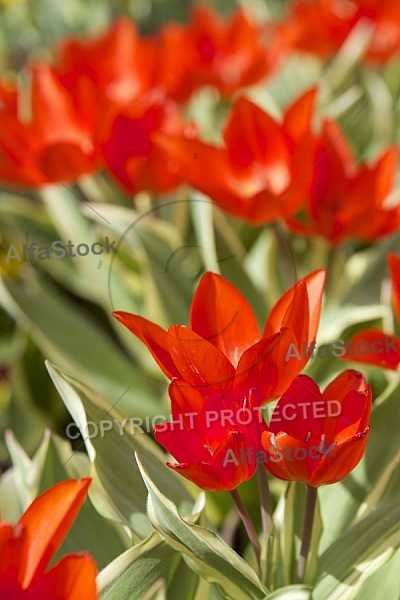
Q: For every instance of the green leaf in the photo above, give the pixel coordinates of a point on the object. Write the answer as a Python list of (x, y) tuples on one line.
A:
[(151, 567), (117, 489), (292, 592), (69, 337), (384, 583), (10, 504), (357, 553), (203, 549), (134, 573), (289, 518), (270, 557)]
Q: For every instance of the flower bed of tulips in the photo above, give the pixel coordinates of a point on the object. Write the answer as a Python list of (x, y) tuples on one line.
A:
[(200, 300)]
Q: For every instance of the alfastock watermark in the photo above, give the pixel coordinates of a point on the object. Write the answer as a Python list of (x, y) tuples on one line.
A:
[(340, 348), (59, 249)]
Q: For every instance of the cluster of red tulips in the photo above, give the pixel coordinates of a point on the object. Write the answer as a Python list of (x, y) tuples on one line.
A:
[(124, 112), (221, 365), (116, 104)]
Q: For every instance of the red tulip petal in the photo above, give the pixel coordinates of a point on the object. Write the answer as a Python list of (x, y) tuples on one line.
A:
[(155, 338), (394, 270), (354, 395), (337, 465), (235, 465), (46, 523), (300, 412), (185, 445), (345, 382), (248, 137), (206, 476), (185, 399), (193, 158), (68, 161), (199, 362), (281, 461), (224, 470), (297, 119), (376, 181), (11, 547), (73, 578), (218, 418), (264, 366), (220, 314), (315, 282), (52, 108), (296, 318), (315, 286), (382, 350)]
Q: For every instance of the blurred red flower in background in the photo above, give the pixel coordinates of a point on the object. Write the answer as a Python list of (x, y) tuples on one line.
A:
[(27, 548), (223, 349), (204, 429), (379, 348), (126, 140), (227, 54), (115, 66), (320, 27), (42, 138), (259, 174), (348, 200), (319, 449)]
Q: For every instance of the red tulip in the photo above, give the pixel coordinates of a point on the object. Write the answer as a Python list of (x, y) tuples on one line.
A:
[(259, 174), (116, 66), (126, 141), (228, 55), (341, 190), (223, 349), (318, 438), (27, 548), (372, 346), (211, 437), (41, 136), (322, 26)]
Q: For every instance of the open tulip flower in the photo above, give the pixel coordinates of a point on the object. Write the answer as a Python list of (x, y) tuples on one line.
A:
[(326, 439), (206, 432), (373, 346), (336, 206), (223, 349), (228, 55), (259, 173), (27, 548), (123, 74), (42, 136), (322, 26)]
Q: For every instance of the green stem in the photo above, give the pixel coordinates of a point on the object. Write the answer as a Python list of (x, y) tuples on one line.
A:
[(249, 526), (285, 246), (265, 499), (307, 532)]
